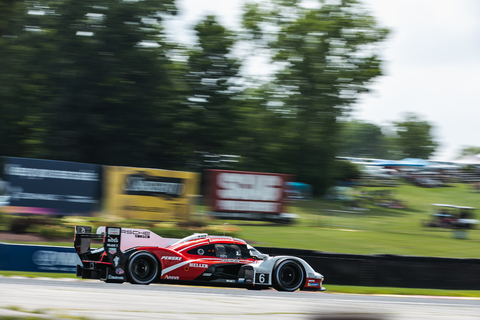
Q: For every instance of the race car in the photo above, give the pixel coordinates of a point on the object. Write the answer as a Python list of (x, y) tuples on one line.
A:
[(140, 256)]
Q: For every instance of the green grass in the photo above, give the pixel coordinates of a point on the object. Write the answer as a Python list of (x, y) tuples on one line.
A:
[(402, 291), (46, 243), (37, 274), (376, 231)]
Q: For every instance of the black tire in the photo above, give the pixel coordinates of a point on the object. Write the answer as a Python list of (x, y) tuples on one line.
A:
[(288, 275), (142, 268)]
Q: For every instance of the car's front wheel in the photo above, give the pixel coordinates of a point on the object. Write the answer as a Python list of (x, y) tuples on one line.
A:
[(142, 268), (288, 275)]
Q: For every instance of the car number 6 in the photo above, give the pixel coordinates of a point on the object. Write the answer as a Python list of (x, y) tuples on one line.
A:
[(261, 278)]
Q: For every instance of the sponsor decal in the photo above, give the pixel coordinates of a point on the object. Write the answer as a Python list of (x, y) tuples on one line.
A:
[(112, 240), (241, 186), (241, 280), (207, 274), (201, 252), (114, 231), (54, 258), (116, 260), (172, 277), (112, 250), (40, 174), (111, 277), (137, 233), (171, 258), (220, 240), (198, 265), (119, 271), (231, 205), (143, 184), (230, 280), (313, 284), (312, 280)]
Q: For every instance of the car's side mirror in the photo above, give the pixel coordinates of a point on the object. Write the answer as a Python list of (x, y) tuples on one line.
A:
[(257, 255)]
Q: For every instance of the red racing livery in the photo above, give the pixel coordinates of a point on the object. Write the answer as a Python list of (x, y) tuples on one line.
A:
[(140, 256)]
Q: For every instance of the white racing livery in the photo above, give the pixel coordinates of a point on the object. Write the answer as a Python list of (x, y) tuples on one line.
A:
[(140, 256)]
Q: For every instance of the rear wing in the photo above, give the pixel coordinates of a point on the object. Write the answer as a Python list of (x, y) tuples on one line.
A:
[(117, 238), (83, 237), (106, 263)]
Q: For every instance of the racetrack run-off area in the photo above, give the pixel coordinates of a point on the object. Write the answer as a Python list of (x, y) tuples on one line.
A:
[(51, 298)]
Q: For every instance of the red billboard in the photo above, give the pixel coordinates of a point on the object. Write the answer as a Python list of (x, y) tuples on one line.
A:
[(249, 192)]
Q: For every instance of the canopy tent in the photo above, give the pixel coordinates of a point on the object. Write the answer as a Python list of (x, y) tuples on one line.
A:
[(470, 159), (416, 162), (407, 162)]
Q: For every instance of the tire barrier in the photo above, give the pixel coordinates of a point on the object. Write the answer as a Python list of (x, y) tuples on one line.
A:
[(390, 270), (32, 258)]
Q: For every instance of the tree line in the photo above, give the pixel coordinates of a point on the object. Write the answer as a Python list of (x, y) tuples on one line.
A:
[(102, 82)]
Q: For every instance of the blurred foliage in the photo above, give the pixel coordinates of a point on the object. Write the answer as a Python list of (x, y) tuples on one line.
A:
[(467, 151), (346, 170), (328, 56), (415, 137), (363, 140), (98, 82), (63, 227)]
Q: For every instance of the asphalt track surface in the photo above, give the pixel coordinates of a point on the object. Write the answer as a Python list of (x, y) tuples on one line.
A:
[(61, 298)]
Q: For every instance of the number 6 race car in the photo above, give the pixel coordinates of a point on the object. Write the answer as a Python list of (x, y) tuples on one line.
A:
[(140, 256)]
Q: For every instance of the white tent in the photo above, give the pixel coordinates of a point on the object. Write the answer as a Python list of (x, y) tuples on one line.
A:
[(470, 159)]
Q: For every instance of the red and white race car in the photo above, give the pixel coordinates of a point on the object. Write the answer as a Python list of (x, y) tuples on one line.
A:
[(140, 256)]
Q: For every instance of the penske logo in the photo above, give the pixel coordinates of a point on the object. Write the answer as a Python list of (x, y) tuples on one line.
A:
[(171, 258)]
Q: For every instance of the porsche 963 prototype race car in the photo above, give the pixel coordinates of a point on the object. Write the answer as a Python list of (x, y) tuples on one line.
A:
[(140, 256)]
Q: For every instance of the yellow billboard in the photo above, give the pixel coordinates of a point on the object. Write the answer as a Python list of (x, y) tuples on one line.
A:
[(149, 194)]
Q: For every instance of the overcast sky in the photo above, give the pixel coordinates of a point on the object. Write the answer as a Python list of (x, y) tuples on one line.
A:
[(432, 64)]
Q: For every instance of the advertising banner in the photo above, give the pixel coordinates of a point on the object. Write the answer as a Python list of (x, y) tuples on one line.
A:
[(32, 258), (51, 187), (255, 193), (149, 194)]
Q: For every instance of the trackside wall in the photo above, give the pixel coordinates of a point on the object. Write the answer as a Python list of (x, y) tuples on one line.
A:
[(342, 269), (390, 270)]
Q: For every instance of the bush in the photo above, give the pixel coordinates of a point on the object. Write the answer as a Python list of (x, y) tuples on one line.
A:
[(55, 232), (20, 224)]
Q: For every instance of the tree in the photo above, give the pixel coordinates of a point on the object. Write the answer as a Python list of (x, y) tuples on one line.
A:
[(414, 137), (361, 139), (470, 150), (22, 86), (213, 117), (98, 82), (329, 57)]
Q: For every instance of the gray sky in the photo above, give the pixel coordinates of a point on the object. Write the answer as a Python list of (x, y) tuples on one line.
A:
[(432, 64)]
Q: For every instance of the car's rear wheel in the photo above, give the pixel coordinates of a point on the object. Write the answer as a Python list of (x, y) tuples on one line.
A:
[(142, 268), (288, 275)]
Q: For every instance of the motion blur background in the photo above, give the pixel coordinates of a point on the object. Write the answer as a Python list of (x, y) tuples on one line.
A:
[(160, 83)]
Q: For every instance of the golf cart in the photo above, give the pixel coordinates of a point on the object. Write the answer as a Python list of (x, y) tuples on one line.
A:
[(452, 217)]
